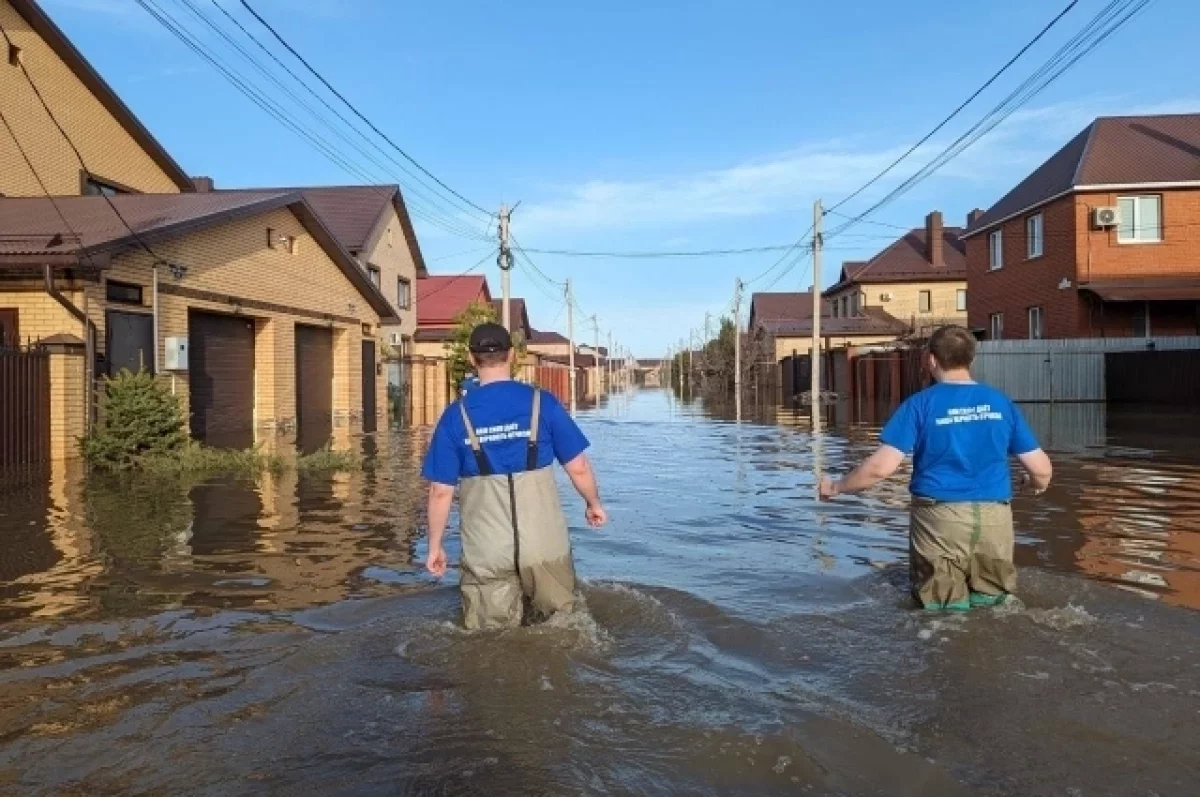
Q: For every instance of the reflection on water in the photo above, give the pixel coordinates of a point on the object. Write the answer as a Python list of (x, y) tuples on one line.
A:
[(277, 634)]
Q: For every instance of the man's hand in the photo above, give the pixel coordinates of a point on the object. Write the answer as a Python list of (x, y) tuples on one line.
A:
[(828, 489), (435, 561), (596, 515), (1028, 486)]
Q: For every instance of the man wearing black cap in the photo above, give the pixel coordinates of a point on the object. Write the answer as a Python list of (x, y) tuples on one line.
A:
[(498, 444)]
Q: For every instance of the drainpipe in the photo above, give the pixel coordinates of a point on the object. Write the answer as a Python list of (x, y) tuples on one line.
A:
[(89, 343), (154, 302)]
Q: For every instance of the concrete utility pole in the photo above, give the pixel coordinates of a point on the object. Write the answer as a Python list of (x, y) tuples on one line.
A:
[(505, 260), (704, 343), (608, 362), (596, 360), (818, 215), (737, 347), (571, 338)]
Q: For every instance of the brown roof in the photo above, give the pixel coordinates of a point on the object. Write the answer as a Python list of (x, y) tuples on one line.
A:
[(907, 260), (1146, 289), (770, 309), (548, 338), (355, 214), (36, 231), (870, 321), (520, 315), (441, 299), (1127, 150), (62, 47)]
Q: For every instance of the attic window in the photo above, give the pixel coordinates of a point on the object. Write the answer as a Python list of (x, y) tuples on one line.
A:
[(14, 55)]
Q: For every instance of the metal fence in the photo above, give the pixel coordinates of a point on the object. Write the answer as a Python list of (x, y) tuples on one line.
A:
[(1060, 370), (24, 407)]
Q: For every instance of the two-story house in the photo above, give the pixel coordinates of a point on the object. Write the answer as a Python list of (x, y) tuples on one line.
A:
[(1101, 240), (785, 321), (919, 280), (440, 301)]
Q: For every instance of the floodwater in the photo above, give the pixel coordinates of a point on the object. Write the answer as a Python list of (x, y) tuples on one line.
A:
[(737, 637)]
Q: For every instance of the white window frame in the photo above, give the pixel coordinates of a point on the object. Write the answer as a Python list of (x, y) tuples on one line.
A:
[(1035, 233), (406, 294), (994, 327), (960, 300), (995, 250), (1138, 237), (1039, 313)]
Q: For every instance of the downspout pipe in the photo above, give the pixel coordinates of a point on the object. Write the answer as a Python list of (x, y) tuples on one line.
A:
[(89, 341)]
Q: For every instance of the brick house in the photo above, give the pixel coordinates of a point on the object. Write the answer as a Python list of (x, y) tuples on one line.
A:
[(920, 280), (549, 344), (786, 318), (1101, 240), (245, 301), (440, 300)]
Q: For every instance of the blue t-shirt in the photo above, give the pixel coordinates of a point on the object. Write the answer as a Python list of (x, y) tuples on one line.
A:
[(501, 413), (960, 436)]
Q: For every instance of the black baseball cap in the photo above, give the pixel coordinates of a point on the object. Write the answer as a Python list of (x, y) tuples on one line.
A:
[(489, 338)]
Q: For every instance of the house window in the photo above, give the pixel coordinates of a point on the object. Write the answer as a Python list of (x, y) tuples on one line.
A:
[(960, 299), (373, 273), (845, 306), (1037, 316), (403, 294), (1035, 236), (996, 326), (854, 304), (996, 250), (1141, 321), (835, 308), (926, 301), (1141, 219), (93, 186), (123, 292)]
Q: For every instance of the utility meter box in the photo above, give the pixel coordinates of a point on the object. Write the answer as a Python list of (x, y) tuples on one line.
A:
[(177, 354)]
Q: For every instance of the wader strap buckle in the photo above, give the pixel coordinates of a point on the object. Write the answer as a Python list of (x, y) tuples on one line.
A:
[(531, 454), (485, 467)]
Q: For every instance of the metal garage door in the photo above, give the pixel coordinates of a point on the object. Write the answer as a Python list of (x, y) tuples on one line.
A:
[(369, 374), (221, 375), (314, 387)]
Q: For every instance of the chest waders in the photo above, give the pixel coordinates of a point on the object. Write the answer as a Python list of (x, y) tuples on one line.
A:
[(515, 547)]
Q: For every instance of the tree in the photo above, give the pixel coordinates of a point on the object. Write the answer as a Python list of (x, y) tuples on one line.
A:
[(457, 350), (139, 418)]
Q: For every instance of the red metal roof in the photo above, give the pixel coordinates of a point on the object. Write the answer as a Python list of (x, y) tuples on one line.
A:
[(768, 310), (441, 299)]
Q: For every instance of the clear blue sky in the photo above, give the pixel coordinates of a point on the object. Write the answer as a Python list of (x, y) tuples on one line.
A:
[(649, 125)]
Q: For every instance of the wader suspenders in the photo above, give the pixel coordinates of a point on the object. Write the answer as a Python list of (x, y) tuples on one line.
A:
[(485, 467), (531, 456)]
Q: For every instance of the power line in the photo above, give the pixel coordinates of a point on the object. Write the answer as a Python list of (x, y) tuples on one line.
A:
[(960, 108), (656, 254), (355, 110), (457, 277)]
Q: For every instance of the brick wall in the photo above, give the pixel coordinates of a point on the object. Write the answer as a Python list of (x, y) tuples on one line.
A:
[(109, 151), (905, 303), (233, 260), (67, 402), (784, 346), (1101, 257), (39, 315), (1025, 282), (393, 257)]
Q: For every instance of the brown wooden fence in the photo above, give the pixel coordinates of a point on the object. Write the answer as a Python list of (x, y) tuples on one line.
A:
[(24, 407)]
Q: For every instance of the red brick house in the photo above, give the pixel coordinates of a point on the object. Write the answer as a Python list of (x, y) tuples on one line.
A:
[(1101, 240)]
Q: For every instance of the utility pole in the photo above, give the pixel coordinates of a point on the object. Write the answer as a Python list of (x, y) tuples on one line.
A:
[(571, 338), (737, 347), (707, 321), (596, 359), (505, 260), (608, 363), (818, 215)]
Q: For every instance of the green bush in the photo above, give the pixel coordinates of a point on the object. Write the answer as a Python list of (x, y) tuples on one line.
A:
[(140, 418)]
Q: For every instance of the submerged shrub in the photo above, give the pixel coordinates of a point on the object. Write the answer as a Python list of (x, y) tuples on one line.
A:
[(139, 418)]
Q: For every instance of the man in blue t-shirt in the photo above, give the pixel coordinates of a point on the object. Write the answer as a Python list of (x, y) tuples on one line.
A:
[(960, 435), (498, 444)]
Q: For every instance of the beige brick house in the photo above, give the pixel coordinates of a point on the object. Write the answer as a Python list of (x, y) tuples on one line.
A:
[(244, 301), (119, 153)]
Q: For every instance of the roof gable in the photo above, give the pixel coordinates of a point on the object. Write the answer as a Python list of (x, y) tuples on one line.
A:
[(49, 33), (771, 309), (907, 260), (441, 299)]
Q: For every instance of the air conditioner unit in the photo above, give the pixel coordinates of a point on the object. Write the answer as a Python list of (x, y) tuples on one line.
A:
[(885, 297), (1106, 216)]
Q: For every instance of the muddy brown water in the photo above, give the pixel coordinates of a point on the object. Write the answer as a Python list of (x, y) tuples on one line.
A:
[(277, 637)]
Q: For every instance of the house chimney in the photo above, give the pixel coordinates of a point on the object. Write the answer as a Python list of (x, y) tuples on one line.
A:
[(203, 185), (974, 216), (934, 243)]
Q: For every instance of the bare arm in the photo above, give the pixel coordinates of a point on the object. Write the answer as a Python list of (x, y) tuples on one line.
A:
[(874, 469), (1038, 468), (441, 496), (579, 470)]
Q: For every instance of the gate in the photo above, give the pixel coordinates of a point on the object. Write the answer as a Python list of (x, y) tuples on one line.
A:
[(24, 407)]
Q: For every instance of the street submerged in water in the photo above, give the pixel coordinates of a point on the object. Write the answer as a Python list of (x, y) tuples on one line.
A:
[(736, 636)]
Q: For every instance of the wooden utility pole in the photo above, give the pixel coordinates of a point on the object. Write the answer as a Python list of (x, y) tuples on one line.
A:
[(737, 348), (505, 260), (815, 390), (571, 338)]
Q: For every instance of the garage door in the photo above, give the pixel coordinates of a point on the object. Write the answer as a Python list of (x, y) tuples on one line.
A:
[(221, 376), (314, 387)]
